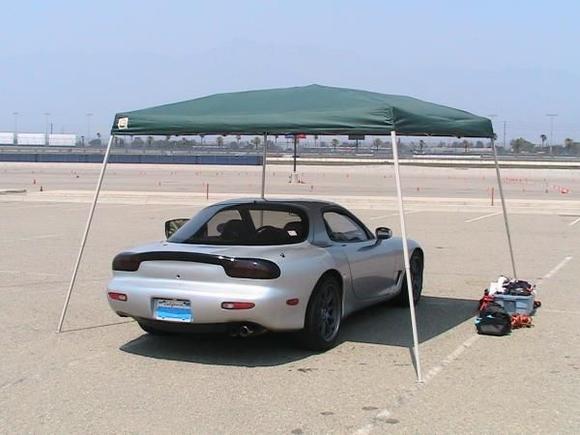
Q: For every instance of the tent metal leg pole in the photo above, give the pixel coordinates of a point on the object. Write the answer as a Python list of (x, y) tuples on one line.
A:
[(294, 157), (86, 233), (264, 165), (504, 209), (406, 258)]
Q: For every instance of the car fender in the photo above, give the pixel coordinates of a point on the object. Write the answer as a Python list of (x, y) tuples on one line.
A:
[(301, 270)]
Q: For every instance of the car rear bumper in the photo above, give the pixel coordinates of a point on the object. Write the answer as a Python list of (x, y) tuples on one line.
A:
[(271, 310)]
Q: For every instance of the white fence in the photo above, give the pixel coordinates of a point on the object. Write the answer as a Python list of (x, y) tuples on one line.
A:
[(62, 140), (6, 138), (31, 139)]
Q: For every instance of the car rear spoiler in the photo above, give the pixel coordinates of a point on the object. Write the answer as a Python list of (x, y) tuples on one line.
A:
[(253, 268)]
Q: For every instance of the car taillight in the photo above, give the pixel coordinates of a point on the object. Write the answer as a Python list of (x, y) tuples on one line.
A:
[(126, 262), (118, 296), (251, 268), (238, 305)]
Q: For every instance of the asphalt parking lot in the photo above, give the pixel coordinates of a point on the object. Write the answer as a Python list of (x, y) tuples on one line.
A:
[(104, 375)]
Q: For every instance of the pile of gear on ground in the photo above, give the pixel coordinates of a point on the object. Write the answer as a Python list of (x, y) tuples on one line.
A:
[(507, 304)]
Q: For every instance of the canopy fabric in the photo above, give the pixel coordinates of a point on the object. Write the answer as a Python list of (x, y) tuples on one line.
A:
[(310, 109)]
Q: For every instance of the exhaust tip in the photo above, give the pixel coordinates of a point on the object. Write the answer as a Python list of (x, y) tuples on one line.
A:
[(246, 331)]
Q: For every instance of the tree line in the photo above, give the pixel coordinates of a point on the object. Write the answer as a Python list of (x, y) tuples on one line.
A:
[(521, 145)]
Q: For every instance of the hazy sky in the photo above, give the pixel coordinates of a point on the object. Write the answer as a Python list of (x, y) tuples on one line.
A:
[(517, 59)]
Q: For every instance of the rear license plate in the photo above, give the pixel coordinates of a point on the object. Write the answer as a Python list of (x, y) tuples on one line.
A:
[(173, 310)]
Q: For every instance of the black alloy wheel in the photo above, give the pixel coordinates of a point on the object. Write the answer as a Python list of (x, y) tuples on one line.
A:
[(323, 316), (416, 263)]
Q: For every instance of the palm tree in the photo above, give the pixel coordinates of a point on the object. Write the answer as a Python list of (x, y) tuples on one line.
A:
[(377, 143), (520, 144), (257, 141), (568, 142), (220, 141), (543, 138), (465, 144), (334, 143), (238, 138)]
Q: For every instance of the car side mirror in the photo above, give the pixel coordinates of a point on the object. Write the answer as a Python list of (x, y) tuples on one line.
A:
[(173, 225), (383, 233)]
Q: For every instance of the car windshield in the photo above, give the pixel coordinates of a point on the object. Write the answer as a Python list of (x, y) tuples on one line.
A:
[(246, 224)]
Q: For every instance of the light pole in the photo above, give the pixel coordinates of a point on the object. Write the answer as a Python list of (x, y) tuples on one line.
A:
[(89, 115), (15, 114), (551, 116), (46, 116)]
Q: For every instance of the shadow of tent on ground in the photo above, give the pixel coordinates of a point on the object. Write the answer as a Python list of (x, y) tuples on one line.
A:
[(382, 324)]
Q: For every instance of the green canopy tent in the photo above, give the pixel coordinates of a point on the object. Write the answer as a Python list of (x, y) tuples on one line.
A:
[(315, 110), (310, 109)]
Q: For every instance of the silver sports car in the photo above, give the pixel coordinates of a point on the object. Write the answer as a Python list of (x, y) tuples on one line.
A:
[(247, 266)]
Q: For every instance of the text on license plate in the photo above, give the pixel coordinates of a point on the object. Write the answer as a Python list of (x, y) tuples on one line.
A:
[(173, 310)]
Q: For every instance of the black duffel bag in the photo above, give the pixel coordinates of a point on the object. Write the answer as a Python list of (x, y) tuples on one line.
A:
[(493, 320)]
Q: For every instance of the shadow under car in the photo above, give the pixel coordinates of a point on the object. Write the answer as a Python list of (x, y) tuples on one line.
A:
[(384, 324)]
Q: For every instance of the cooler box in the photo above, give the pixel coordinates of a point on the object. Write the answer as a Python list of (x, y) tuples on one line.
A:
[(515, 304)]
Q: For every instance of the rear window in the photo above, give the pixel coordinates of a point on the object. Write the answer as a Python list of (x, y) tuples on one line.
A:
[(246, 224)]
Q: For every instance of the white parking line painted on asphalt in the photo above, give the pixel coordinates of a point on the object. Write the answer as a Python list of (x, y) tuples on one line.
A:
[(408, 393), (485, 216), (393, 214), (574, 222), (559, 266)]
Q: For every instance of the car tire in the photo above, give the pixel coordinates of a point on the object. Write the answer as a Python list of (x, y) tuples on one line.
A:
[(417, 265), (323, 316), (151, 330)]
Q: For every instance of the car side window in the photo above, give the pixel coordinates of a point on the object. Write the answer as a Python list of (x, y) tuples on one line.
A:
[(341, 228)]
